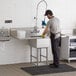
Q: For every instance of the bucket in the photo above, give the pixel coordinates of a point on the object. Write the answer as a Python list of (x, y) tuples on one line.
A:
[(21, 34)]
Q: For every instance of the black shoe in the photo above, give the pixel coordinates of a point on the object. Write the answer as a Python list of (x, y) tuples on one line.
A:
[(57, 66), (53, 66)]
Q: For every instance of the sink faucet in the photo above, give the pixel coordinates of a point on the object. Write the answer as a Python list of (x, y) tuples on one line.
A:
[(37, 9), (35, 30)]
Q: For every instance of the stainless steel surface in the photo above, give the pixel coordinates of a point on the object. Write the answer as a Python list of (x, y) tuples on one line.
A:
[(5, 38), (36, 36), (4, 34), (30, 34)]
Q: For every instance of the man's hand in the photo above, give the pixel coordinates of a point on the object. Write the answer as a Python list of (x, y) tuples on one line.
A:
[(43, 36)]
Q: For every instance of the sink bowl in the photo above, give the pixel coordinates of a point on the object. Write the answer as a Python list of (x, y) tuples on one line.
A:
[(4, 34)]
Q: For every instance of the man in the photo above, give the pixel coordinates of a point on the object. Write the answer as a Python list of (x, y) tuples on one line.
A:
[(54, 30)]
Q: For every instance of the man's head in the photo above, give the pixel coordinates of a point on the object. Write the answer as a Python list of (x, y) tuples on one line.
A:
[(48, 13)]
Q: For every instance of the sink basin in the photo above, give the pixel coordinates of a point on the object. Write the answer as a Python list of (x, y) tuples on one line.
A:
[(4, 35)]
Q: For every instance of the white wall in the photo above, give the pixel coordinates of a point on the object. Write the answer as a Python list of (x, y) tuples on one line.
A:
[(16, 10), (14, 51), (22, 13)]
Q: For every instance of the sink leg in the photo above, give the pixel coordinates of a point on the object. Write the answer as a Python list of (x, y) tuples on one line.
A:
[(37, 57), (46, 55), (30, 54), (40, 54)]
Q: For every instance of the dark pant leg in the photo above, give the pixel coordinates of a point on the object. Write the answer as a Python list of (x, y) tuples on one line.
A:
[(55, 50)]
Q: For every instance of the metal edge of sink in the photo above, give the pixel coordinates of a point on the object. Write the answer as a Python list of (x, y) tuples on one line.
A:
[(5, 38)]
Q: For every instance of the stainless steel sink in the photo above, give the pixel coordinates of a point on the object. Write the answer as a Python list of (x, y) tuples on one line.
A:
[(4, 35)]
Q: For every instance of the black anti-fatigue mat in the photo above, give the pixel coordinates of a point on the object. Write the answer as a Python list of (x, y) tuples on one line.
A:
[(38, 70)]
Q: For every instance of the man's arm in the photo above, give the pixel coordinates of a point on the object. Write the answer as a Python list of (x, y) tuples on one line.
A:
[(45, 30)]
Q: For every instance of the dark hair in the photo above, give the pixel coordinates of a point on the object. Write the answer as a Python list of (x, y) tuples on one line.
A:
[(48, 12)]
